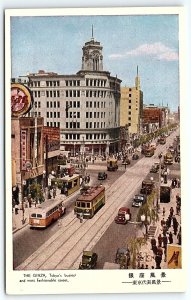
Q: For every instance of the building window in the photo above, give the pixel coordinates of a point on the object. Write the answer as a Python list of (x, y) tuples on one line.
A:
[(47, 123), (94, 104), (58, 104), (78, 114), (54, 114), (54, 104), (129, 118), (87, 104), (87, 113), (35, 104), (51, 114), (66, 93), (86, 124), (58, 124), (54, 124), (58, 114), (78, 124), (51, 104), (66, 124), (47, 104), (129, 124), (129, 101), (78, 104), (129, 95), (94, 114), (129, 106), (90, 104), (74, 103), (90, 114), (58, 93), (47, 114)]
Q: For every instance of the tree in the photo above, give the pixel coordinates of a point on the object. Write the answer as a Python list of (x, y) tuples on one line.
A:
[(36, 192), (135, 245), (149, 211)]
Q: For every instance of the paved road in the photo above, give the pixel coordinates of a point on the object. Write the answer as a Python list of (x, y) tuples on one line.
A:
[(63, 249)]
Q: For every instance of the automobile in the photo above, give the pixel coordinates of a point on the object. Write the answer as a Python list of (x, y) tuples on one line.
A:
[(102, 175), (126, 161), (89, 260), (154, 169), (147, 187), (139, 200), (121, 217), (122, 257), (135, 156), (171, 149)]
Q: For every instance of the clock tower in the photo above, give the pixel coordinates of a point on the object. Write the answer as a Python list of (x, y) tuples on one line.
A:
[(92, 59)]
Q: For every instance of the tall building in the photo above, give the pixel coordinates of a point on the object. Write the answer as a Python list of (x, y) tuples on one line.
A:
[(131, 107), (86, 106)]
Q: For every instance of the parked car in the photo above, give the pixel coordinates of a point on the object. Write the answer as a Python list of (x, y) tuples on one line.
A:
[(139, 200), (89, 260), (135, 156), (147, 187), (122, 258), (121, 218), (102, 176)]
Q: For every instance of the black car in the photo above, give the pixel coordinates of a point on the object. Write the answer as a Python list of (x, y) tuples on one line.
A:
[(135, 156), (122, 258), (89, 260), (139, 200), (102, 176)]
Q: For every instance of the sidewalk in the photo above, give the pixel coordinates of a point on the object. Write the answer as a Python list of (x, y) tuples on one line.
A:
[(21, 220), (146, 249)]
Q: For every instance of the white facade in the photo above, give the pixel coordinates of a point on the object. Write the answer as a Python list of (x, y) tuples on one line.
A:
[(86, 106)]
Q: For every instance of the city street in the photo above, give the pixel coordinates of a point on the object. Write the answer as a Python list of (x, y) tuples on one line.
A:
[(60, 246)]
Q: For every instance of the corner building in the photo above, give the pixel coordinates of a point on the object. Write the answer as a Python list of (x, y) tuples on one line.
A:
[(86, 106)]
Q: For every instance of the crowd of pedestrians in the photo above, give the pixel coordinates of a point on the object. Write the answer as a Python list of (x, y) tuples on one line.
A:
[(170, 231)]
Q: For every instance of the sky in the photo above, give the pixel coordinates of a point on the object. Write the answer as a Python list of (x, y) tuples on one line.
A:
[(148, 41)]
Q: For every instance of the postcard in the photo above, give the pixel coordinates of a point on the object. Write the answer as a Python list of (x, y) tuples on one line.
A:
[(95, 168)]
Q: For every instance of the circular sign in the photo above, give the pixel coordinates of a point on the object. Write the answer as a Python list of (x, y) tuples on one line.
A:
[(20, 99)]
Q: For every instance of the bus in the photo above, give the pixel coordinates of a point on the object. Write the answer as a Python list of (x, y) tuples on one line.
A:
[(46, 213), (112, 164), (90, 202), (68, 184)]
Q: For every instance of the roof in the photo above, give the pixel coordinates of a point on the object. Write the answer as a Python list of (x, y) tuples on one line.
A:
[(46, 204), (91, 193)]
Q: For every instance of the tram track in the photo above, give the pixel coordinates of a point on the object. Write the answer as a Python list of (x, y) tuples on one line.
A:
[(115, 195)]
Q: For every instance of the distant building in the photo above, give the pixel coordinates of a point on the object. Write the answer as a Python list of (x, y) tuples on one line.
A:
[(154, 117), (131, 107), (85, 106)]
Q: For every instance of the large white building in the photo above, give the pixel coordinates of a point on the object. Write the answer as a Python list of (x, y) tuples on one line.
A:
[(86, 106)]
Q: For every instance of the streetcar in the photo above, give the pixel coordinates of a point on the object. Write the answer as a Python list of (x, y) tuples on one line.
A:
[(68, 184), (46, 213), (90, 202)]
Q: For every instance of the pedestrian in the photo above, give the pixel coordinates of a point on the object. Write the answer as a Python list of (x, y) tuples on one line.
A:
[(160, 240), (177, 209), (158, 260), (179, 238), (153, 243), (168, 221), (163, 211), (16, 209), (165, 241), (170, 238), (175, 225), (171, 211), (163, 222), (160, 251)]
